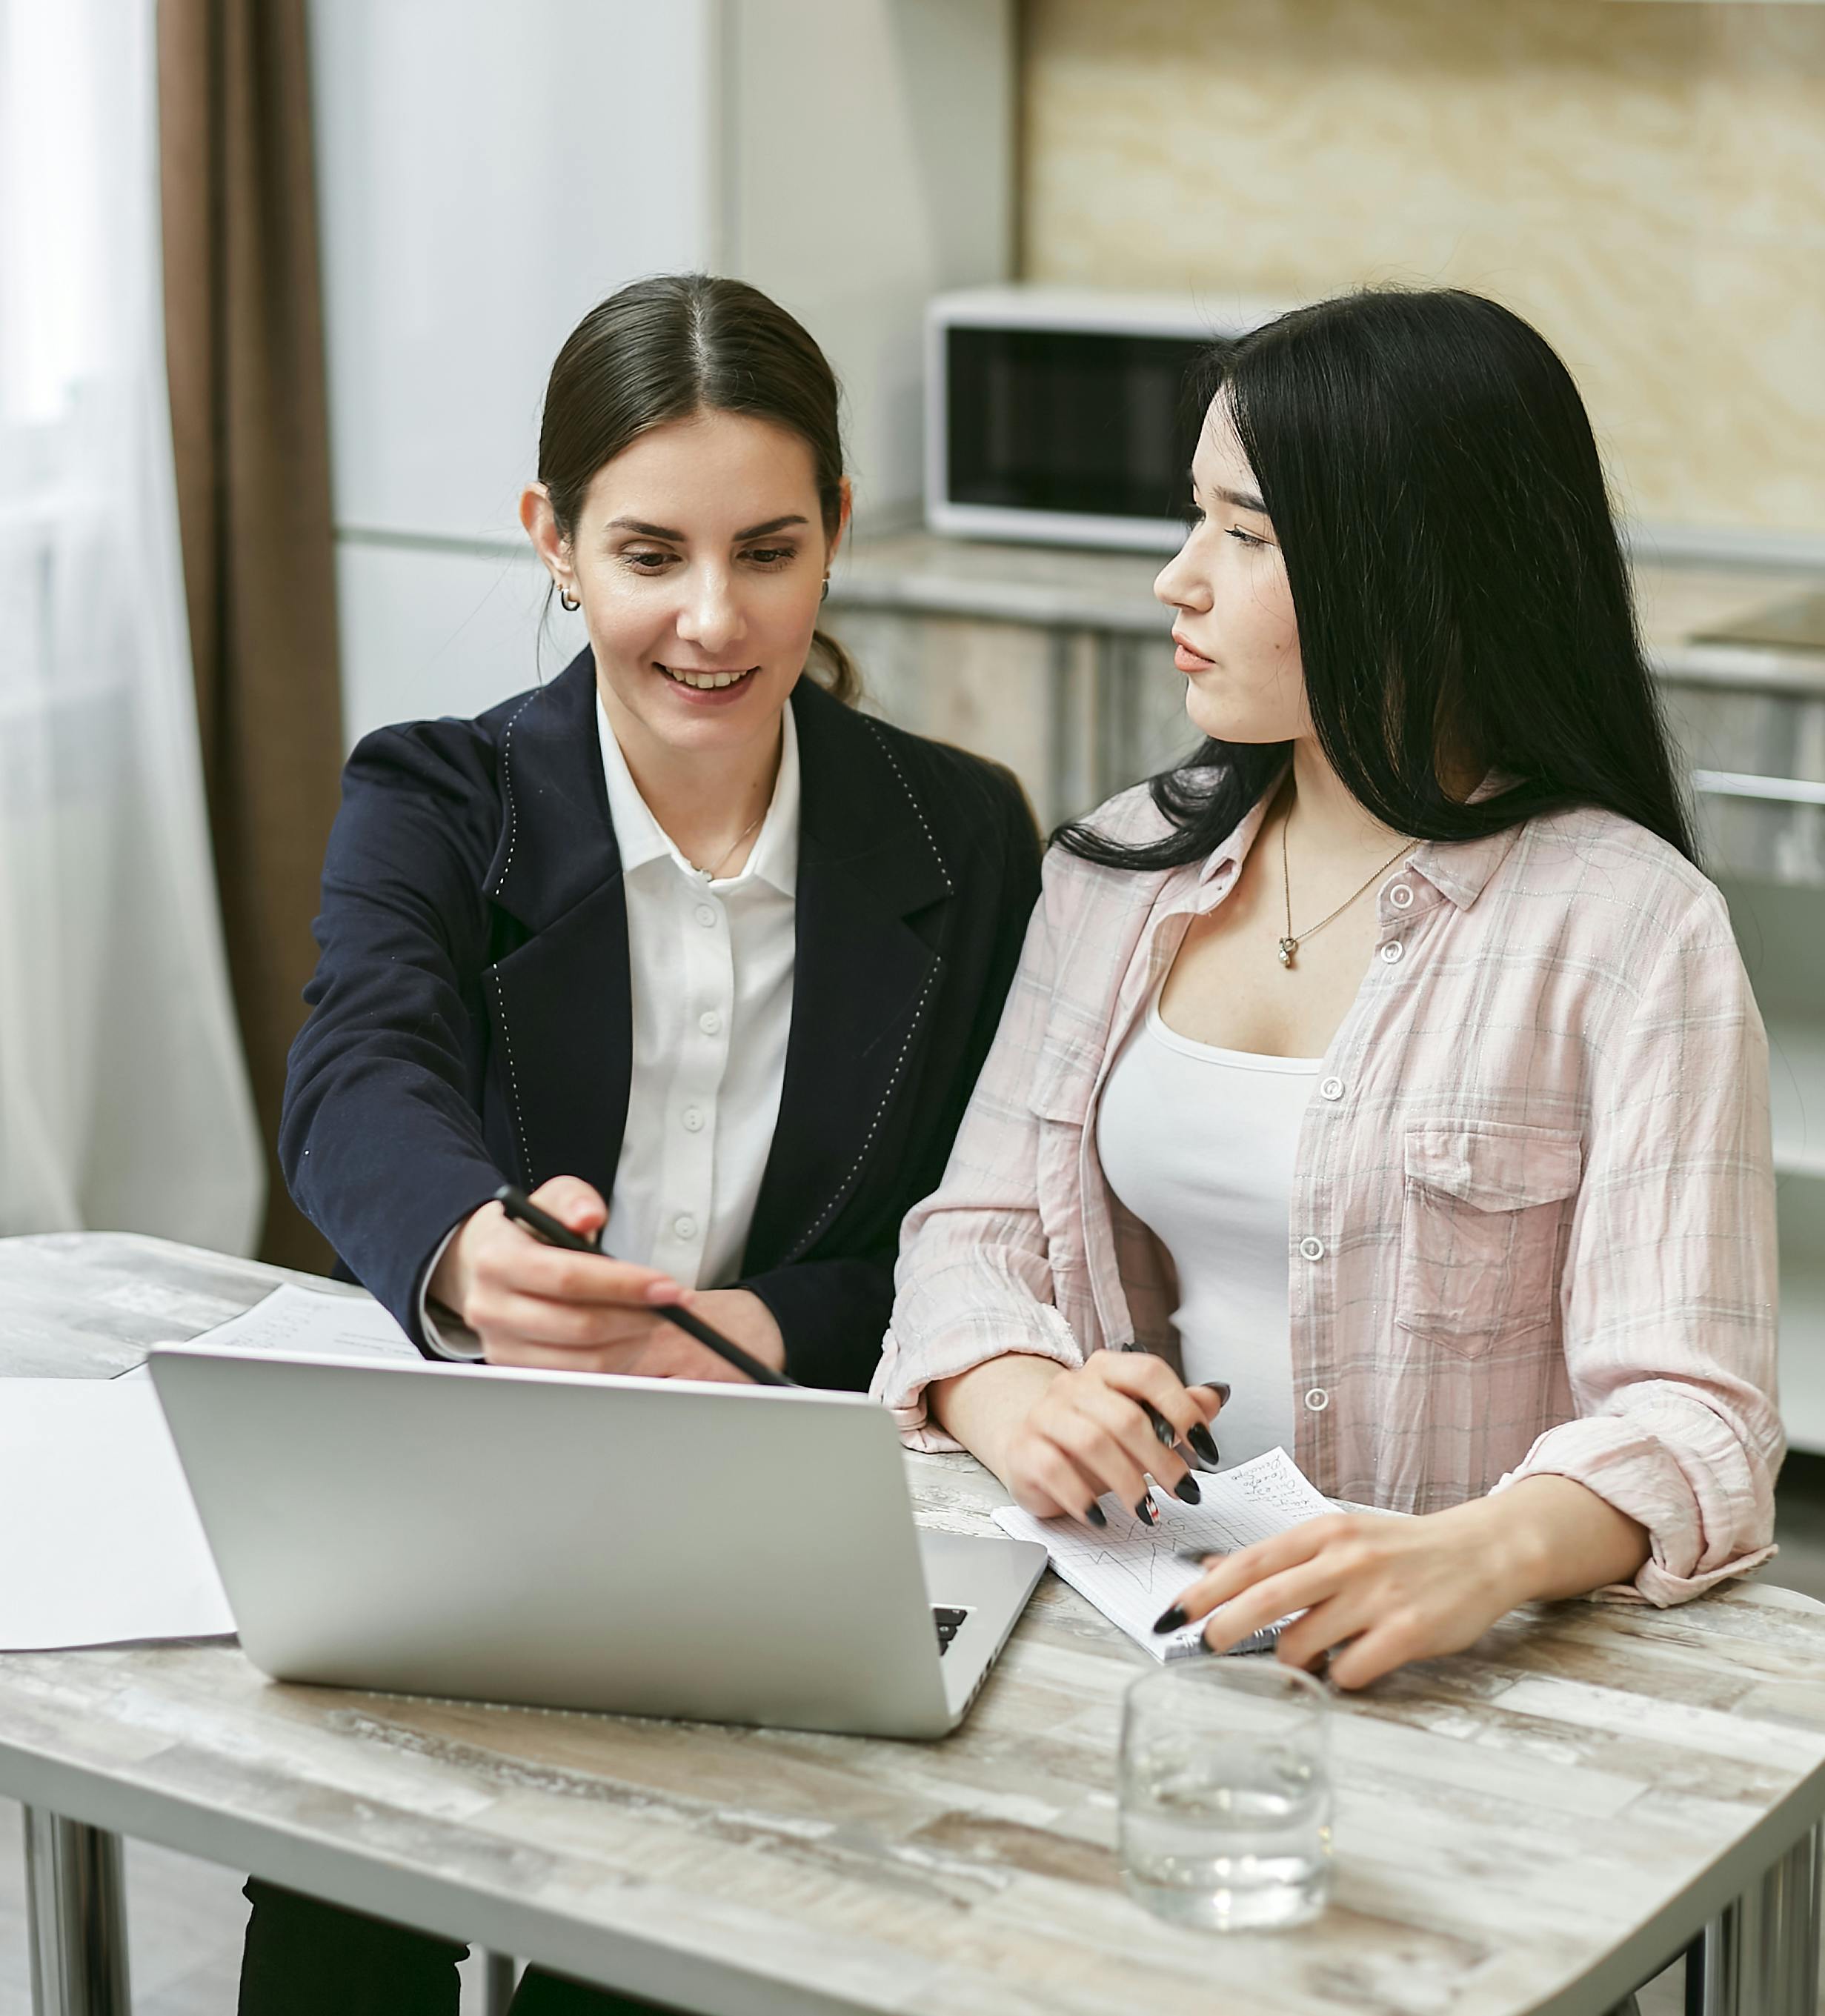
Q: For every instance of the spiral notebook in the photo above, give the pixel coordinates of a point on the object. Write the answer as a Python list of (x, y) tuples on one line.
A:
[(1130, 1573)]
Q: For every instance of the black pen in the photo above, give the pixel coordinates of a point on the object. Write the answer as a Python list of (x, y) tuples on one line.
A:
[(517, 1205)]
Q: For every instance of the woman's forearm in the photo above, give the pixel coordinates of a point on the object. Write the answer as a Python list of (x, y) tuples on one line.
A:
[(1559, 1538), (982, 1407)]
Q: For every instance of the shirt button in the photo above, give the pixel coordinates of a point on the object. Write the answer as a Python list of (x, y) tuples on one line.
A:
[(1317, 1400), (705, 916), (1391, 952), (710, 1022), (693, 1119), (1332, 1088), (1401, 895), (1311, 1249), (685, 1228)]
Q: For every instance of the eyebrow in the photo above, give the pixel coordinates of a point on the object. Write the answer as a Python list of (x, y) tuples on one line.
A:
[(678, 538), (1244, 500)]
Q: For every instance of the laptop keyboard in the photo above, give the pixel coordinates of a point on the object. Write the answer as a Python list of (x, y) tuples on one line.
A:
[(947, 1622)]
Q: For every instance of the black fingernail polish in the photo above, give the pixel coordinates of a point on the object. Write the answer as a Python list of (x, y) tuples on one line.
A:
[(1220, 1387), (1186, 1488), (1174, 1619), (1205, 1443), (1145, 1513), (1095, 1513)]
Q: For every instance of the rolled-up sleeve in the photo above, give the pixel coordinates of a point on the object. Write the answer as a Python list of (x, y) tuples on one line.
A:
[(974, 1277), (1669, 1295)]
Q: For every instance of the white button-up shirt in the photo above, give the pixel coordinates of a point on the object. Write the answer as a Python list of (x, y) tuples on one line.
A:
[(710, 968)]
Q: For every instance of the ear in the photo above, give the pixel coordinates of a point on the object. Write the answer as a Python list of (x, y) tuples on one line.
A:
[(541, 522)]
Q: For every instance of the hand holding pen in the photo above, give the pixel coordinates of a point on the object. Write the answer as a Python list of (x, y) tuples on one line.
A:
[(1105, 1428), (541, 1293)]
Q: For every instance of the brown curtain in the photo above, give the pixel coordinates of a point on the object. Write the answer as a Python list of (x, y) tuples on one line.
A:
[(244, 338)]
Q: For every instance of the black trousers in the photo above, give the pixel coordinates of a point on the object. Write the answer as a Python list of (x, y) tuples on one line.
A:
[(304, 1957)]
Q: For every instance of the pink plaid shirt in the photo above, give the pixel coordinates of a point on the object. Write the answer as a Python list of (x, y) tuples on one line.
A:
[(1533, 1213)]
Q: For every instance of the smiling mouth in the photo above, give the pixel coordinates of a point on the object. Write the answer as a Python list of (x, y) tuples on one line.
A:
[(706, 681)]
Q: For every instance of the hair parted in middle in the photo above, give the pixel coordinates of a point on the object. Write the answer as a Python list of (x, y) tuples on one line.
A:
[(678, 344)]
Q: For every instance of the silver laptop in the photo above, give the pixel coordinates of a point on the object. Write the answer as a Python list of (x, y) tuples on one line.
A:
[(728, 1553)]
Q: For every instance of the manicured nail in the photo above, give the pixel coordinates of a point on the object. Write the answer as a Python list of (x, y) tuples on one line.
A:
[(1095, 1513), (1174, 1619), (1145, 1513), (1164, 1433), (1205, 1443), (1220, 1387), (1186, 1488)]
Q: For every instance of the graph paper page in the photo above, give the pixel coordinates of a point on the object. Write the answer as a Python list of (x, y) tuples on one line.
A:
[(1130, 1573)]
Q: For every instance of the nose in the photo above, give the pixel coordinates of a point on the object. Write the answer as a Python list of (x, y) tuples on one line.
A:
[(711, 616), (1179, 585)]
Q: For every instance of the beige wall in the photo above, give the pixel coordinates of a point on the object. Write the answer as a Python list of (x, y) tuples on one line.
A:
[(1646, 182)]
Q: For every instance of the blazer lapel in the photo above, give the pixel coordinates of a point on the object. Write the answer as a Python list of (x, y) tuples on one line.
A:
[(862, 977), (561, 1001)]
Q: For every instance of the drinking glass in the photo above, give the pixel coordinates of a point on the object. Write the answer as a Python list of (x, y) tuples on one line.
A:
[(1225, 1793)]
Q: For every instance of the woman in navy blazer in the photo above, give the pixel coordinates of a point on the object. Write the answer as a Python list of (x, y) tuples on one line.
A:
[(473, 1016)]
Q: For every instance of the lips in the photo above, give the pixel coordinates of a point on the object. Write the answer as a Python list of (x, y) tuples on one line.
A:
[(1186, 658), (708, 680)]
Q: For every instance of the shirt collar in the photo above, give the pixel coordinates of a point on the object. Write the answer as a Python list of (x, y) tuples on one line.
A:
[(773, 857), (1458, 869)]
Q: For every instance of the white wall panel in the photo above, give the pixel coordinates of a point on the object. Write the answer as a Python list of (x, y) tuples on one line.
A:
[(426, 633), (487, 169)]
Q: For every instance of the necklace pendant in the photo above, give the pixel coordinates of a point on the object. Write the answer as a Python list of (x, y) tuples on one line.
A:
[(1288, 947), (705, 875)]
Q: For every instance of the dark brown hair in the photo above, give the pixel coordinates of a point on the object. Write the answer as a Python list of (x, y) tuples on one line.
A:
[(679, 343)]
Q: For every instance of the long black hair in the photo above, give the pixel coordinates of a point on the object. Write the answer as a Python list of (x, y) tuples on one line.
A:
[(1459, 590), (679, 344)]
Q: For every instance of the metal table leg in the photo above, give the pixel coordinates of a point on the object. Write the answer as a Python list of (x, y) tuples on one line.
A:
[(1760, 1957), (76, 1917), (498, 1974)]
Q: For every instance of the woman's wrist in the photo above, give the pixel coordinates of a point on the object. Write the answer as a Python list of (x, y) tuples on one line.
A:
[(1550, 1537), (449, 1284), (984, 1407)]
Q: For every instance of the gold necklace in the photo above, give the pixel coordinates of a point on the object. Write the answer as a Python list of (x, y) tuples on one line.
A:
[(1291, 943), (709, 874)]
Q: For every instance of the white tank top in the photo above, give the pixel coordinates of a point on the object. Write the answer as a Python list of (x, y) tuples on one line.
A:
[(1199, 1144)]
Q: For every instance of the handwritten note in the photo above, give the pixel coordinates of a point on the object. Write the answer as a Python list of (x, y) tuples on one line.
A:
[(1130, 1573)]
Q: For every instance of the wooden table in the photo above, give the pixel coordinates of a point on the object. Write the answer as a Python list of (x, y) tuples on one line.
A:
[(1536, 1825)]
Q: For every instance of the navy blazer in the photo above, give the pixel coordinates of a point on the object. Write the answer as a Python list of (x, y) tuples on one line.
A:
[(470, 1017)]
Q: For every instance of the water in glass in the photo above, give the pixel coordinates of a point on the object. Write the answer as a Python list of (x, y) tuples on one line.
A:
[(1226, 1794)]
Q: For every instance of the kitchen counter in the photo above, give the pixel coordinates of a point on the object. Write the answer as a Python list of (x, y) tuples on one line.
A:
[(1083, 588)]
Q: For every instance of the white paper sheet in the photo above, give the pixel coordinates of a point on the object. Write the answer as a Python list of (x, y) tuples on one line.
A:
[(1130, 1573), (303, 1320), (99, 1541)]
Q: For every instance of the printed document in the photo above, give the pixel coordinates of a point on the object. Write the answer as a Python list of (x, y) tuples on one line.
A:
[(1132, 1572), (101, 1545), (307, 1322)]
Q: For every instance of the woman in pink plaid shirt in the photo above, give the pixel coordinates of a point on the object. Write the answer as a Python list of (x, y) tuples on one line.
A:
[(1385, 1081)]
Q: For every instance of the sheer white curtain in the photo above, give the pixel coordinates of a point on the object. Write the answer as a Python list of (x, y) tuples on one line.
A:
[(124, 1101)]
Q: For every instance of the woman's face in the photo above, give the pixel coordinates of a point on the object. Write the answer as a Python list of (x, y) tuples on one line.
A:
[(1238, 645), (698, 555)]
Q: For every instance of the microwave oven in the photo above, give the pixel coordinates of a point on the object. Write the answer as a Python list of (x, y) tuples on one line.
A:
[(1065, 416)]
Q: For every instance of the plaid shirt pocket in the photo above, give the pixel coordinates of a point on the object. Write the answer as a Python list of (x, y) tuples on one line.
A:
[(1481, 1226)]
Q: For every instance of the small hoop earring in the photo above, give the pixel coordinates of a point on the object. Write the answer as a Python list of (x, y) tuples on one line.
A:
[(826, 595), (569, 600)]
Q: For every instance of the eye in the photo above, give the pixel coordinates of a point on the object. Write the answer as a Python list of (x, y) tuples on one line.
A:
[(771, 556), (644, 562), (1247, 538)]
